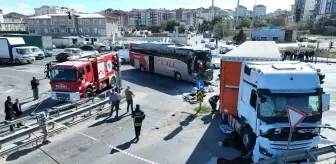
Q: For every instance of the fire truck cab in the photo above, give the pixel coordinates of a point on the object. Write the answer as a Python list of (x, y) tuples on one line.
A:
[(81, 78)]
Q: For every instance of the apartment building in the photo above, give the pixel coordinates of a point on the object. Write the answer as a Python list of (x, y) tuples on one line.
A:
[(259, 11), (325, 8), (304, 10), (12, 22), (45, 9), (241, 11), (80, 24)]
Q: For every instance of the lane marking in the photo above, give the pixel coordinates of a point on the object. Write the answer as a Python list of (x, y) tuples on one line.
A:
[(110, 146)]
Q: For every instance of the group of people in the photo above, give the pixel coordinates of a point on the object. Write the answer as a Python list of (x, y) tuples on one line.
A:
[(297, 54), (138, 115), (12, 111)]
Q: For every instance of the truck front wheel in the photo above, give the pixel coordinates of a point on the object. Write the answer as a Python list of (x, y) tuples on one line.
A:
[(89, 93), (248, 138)]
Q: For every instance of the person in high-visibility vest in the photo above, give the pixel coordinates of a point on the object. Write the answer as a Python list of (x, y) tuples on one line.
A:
[(138, 116)]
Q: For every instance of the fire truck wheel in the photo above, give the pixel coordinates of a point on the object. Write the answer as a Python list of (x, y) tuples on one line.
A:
[(89, 92), (248, 139), (177, 76)]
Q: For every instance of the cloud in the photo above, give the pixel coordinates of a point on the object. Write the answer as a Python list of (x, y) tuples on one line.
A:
[(77, 6), (22, 5)]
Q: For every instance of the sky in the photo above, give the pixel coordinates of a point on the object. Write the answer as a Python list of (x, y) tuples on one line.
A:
[(27, 6)]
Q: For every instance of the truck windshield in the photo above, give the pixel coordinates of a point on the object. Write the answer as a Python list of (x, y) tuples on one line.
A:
[(275, 106), (63, 75), (23, 51)]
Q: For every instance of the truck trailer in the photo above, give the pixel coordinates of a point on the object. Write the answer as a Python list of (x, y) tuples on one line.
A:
[(81, 78), (13, 50), (255, 88), (43, 42)]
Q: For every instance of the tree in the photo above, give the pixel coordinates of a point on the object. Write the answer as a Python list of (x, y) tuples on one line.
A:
[(260, 23), (170, 25), (219, 30), (240, 37), (154, 28), (278, 20), (191, 28), (245, 23), (182, 28), (217, 19), (205, 26)]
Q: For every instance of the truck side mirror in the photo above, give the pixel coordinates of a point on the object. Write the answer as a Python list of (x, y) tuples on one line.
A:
[(325, 102)]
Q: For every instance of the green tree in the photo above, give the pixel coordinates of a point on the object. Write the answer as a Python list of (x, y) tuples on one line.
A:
[(163, 25), (191, 28), (170, 25), (245, 23), (154, 28), (217, 19), (205, 26), (278, 20), (240, 37), (260, 23), (182, 28), (219, 30)]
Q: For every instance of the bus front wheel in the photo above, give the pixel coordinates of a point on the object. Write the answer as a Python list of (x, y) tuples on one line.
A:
[(177, 76)]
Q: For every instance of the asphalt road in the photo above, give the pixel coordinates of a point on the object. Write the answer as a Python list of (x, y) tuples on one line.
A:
[(15, 82)]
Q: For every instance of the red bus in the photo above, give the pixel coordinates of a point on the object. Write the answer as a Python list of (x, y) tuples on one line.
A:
[(167, 59)]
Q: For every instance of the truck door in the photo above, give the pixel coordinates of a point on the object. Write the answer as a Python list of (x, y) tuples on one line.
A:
[(88, 73)]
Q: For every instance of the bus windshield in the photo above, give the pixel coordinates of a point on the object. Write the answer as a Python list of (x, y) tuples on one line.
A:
[(67, 75)]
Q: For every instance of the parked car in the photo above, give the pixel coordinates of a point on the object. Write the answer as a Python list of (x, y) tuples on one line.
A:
[(37, 52), (212, 40), (73, 51), (47, 53), (88, 48), (62, 57), (210, 46), (124, 55), (202, 41)]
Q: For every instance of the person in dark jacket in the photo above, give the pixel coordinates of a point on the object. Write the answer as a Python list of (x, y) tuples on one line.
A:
[(34, 84), (213, 102), (9, 112), (47, 69), (138, 116), (17, 110)]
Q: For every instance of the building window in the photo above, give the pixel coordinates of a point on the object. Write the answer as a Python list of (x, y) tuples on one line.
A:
[(51, 30), (95, 30), (80, 30), (62, 22), (63, 30), (87, 30), (96, 21), (36, 21), (45, 30), (70, 21), (55, 22), (102, 21), (57, 30)]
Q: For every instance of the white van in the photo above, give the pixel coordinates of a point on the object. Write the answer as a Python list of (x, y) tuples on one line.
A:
[(37, 52)]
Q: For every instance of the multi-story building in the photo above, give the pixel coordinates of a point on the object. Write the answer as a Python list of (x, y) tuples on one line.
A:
[(324, 8), (304, 10), (259, 11), (116, 15), (148, 17), (240, 11), (45, 9), (249, 13), (279, 12), (12, 22), (80, 24)]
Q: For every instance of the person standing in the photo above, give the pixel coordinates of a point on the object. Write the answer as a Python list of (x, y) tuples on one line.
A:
[(138, 116), (213, 102), (47, 70), (9, 112), (42, 119), (18, 112), (114, 101), (34, 84), (129, 98)]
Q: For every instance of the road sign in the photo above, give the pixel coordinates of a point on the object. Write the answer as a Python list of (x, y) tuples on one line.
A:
[(294, 116), (200, 85), (199, 95)]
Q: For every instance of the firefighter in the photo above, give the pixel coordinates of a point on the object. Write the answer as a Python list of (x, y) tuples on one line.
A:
[(138, 116), (213, 102)]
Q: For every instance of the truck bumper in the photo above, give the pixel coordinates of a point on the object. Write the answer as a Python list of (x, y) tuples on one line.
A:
[(265, 148), (27, 60), (65, 96)]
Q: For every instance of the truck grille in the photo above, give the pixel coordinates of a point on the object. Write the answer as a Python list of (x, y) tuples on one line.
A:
[(282, 145), (63, 96)]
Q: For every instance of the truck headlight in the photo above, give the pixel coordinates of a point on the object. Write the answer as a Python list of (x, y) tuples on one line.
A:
[(264, 151)]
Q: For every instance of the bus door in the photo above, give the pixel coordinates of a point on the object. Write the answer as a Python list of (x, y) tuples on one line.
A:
[(151, 63)]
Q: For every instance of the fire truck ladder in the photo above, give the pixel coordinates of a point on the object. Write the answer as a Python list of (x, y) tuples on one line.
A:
[(311, 156)]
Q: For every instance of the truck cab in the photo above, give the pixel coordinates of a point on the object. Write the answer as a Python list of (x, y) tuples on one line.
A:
[(73, 80), (12, 50), (256, 87)]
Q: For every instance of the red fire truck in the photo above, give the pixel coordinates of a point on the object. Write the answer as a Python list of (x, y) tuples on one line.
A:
[(81, 78)]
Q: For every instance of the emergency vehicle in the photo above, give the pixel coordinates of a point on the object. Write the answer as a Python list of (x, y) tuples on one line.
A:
[(81, 78), (255, 88)]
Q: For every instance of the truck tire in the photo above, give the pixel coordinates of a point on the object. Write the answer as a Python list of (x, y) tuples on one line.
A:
[(89, 93), (17, 61), (113, 82), (248, 138)]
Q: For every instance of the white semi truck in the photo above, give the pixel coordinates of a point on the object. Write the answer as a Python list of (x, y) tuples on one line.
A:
[(256, 86), (13, 50)]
